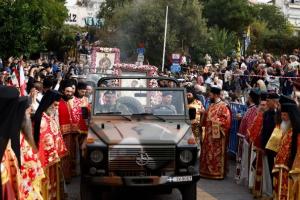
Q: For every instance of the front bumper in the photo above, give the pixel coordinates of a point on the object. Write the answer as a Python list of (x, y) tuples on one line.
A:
[(138, 181)]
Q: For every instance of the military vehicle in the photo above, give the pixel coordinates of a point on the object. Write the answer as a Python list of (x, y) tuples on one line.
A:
[(139, 138)]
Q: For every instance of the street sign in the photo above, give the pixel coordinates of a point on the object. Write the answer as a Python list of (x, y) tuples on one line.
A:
[(140, 58), (175, 68), (176, 58), (140, 50)]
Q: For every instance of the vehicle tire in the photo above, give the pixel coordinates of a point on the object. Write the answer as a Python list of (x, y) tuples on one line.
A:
[(88, 192), (189, 192), (133, 105)]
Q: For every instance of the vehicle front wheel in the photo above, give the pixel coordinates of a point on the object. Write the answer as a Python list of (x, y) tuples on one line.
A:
[(88, 192), (189, 192)]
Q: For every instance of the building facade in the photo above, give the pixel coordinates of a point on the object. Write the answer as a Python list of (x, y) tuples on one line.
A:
[(83, 12), (291, 9)]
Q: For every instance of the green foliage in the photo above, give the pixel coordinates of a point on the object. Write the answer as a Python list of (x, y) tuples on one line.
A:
[(273, 17), (107, 8), (23, 23), (54, 13), (272, 31), (221, 42), (129, 22), (62, 39), (233, 15), (281, 43), (259, 32), (143, 21)]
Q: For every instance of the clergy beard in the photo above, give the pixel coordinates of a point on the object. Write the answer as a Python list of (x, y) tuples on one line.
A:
[(80, 96), (247, 103), (67, 97), (285, 126), (51, 111), (190, 100)]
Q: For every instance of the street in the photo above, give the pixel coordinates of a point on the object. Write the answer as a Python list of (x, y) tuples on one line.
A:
[(225, 189)]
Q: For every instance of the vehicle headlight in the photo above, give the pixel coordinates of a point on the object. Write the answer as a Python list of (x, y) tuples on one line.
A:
[(96, 156), (186, 156)]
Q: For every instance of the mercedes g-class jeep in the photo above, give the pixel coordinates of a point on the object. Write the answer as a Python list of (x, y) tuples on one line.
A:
[(139, 138)]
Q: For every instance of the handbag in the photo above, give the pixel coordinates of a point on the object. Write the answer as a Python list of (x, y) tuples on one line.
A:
[(275, 139)]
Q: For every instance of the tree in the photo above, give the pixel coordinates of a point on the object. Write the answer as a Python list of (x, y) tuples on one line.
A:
[(221, 42), (143, 21), (259, 33), (273, 17), (271, 30), (23, 23), (233, 15), (62, 39), (107, 8)]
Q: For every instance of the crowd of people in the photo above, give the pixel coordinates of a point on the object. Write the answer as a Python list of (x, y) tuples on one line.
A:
[(45, 128), (267, 150)]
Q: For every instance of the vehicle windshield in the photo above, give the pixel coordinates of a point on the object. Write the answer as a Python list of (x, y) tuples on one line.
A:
[(139, 101)]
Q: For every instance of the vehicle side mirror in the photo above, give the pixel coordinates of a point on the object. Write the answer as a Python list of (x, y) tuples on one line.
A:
[(192, 113)]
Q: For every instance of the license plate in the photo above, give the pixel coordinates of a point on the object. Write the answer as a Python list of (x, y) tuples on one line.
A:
[(182, 178)]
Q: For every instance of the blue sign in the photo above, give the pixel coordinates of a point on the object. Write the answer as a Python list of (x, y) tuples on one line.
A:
[(91, 21), (175, 68), (141, 51)]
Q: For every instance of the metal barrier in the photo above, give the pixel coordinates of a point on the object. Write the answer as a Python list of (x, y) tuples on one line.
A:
[(233, 139)]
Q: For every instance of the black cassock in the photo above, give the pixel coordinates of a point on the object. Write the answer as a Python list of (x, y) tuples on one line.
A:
[(269, 123)]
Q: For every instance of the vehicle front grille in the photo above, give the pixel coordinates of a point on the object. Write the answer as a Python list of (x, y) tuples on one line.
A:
[(124, 159), (139, 173)]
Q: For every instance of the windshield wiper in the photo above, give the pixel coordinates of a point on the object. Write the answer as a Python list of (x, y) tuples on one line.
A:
[(115, 113), (148, 114)]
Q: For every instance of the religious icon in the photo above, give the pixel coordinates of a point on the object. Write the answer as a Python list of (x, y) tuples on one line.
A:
[(104, 64)]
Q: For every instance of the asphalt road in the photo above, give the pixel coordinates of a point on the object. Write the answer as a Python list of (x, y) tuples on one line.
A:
[(207, 189)]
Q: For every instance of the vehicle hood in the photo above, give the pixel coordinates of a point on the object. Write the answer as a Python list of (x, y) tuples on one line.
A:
[(140, 132)]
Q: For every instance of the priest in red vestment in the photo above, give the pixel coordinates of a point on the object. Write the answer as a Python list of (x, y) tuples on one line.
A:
[(69, 117), (217, 126), (195, 104), (244, 146), (85, 107), (256, 153), (51, 145), (15, 117), (284, 159)]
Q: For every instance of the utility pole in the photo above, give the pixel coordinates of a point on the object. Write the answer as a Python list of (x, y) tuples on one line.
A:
[(165, 40)]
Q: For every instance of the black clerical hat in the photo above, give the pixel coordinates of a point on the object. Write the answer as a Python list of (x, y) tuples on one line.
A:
[(273, 95), (215, 90)]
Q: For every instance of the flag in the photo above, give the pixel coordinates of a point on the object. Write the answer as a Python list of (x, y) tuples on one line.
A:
[(247, 39), (22, 82), (14, 79)]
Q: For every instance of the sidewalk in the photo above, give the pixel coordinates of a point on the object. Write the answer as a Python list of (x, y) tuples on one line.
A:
[(225, 189)]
